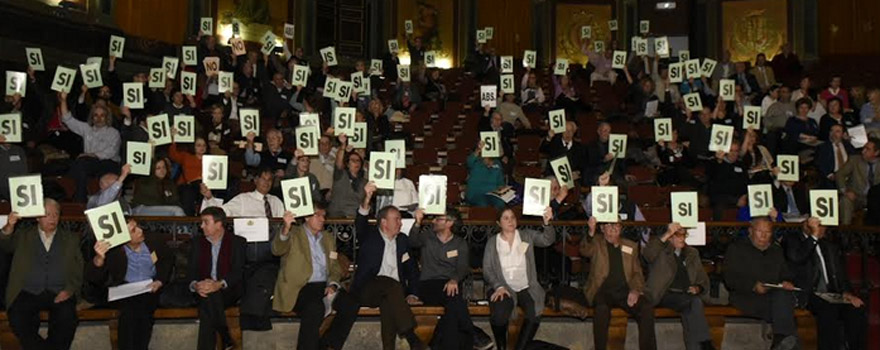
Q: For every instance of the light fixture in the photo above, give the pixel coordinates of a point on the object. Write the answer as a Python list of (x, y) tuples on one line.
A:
[(666, 5)]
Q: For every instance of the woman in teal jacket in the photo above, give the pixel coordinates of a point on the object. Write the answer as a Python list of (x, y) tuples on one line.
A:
[(484, 175)]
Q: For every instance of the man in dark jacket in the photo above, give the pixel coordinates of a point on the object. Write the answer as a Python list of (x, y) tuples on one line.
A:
[(677, 280), (386, 275), (728, 178), (555, 146), (832, 155), (760, 284), (819, 271), (216, 270)]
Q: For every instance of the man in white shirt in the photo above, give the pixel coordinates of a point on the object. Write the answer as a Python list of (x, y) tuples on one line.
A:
[(258, 203)]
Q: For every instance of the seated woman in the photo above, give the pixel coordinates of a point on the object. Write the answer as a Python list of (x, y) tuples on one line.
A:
[(509, 272), (531, 94), (135, 261), (348, 182), (191, 178), (800, 130), (484, 175), (836, 115), (157, 195)]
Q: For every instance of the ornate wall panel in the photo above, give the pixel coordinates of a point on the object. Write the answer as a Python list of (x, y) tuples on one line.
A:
[(754, 26), (569, 20)]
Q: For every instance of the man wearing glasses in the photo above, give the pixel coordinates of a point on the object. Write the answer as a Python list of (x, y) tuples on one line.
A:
[(677, 280)]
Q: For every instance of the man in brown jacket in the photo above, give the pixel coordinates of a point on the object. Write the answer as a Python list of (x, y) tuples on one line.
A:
[(310, 272), (616, 280), (677, 280)]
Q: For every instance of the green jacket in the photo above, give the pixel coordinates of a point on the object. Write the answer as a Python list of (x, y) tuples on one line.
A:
[(23, 240), (296, 265)]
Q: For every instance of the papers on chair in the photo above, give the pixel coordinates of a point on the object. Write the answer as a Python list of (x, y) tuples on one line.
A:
[(858, 136), (779, 286), (834, 298), (506, 194), (128, 290), (252, 229)]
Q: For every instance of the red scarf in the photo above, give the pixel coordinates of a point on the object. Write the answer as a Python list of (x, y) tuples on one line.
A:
[(223, 261)]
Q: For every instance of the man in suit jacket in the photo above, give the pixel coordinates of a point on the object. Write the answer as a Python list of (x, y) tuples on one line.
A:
[(46, 275), (751, 266), (386, 275), (310, 271), (215, 272), (763, 72), (791, 199), (616, 280), (832, 155), (746, 80), (555, 146), (677, 280), (135, 261), (818, 267), (600, 158), (856, 177)]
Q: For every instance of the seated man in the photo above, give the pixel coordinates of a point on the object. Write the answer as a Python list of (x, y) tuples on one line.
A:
[(385, 272), (273, 156), (444, 262), (258, 203), (110, 186), (310, 272), (215, 272), (677, 280), (856, 177), (759, 282), (101, 143), (46, 275), (616, 280), (818, 267)]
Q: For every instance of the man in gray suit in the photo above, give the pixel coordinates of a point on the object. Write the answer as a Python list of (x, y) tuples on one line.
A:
[(677, 280), (856, 177)]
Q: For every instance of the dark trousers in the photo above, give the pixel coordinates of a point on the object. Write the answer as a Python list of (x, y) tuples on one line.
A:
[(24, 319), (212, 318), (693, 317), (499, 311), (395, 314), (641, 311), (310, 309), (136, 321), (838, 323), (455, 330), (86, 167), (776, 307)]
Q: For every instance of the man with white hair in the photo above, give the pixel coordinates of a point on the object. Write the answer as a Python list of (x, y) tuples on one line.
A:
[(110, 187)]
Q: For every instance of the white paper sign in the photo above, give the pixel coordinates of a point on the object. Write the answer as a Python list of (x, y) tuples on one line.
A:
[(190, 56), (188, 83), (298, 196), (676, 72), (393, 46), (697, 235), (685, 208), (214, 171), (692, 69), (133, 95), (858, 136), (661, 46), (382, 169), (561, 67), (357, 82), (375, 67), (789, 167), (359, 136), (557, 120), (408, 26), (212, 65), (10, 127), (618, 60), (157, 78), (663, 129), (35, 58), (309, 119), (63, 80), (604, 203), (250, 121), (268, 42), (644, 27), (721, 138), (612, 25), (684, 55), (824, 205), (599, 46), (536, 196), (343, 93), (752, 117), (117, 46), (129, 290), (307, 137), (490, 33), (506, 64), (185, 129), (488, 96), (760, 199), (507, 84), (403, 72), (343, 119), (328, 54), (108, 224), (693, 102), (252, 229), (641, 47), (170, 65), (562, 170), (160, 131), (708, 67), (26, 195), (398, 148), (529, 58), (289, 30), (430, 59), (140, 156), (16, 83), (206, 26), (586, 32), (432, 194), (91, 74), (617, 145), (728, 89), (331, 87), (491, 144), (300, 76)]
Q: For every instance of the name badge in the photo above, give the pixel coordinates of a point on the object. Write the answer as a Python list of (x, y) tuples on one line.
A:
[(282, 160), (405, 257), (451, 254), (737, 169), (523, 247), (154, 258), (14, 158), (333, 255), (623, 216), (626, 249)]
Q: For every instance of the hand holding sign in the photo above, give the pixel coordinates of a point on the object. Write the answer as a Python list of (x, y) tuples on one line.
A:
[(557, 120), (727, 87), (63, 80), (298, 196), (529, 58), (358, 137), (506, 64), (35, 58), (663, 129), (382, 169), (617, 145), (403, 72), (250, 121), (268, 40), (618, 61), (693, 102), (676, 72), (562, 169), (16, 83), (789, 168), (507, 86), (225, 82), (760, 199), (184, 129), (721, 138), (10, 127), (289, 31), (661, 46), (488, 96), (432, 194), (188, 83), (157, 78), (160, 131), (307, 137), (211, 65), (644, 27), (133, 95), (26, 195), (214, 171), (117, 46), (206, 26), (139, 155), (108, 224), (824, 205), (604, 203), (190, 57), (752, 117), (398, 148), (685, 208), (536, 196), (343, 120), (491, 144)]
